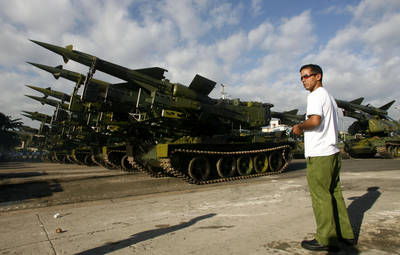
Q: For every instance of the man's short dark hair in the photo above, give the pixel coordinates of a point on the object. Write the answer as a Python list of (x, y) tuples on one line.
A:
[(314, 69)]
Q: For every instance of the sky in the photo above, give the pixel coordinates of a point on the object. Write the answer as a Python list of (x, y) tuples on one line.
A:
[(254, 48)]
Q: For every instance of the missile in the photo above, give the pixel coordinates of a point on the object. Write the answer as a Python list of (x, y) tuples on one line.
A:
[(53, 93), (94, 86), (154, 93), (355, 105), (37, 116), (349, 105), (381, 111), (59, 71), (33, 117), (42, 115), (49, 101), (356, 115), (28, 129), (28, 116), (148, 78), (288, 117)]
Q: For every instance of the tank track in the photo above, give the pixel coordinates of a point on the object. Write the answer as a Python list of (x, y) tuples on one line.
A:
[(95, 161), (61, 158), (168, 168), (76, 160), (69, 159), (138, 167), (127, 166), (107, 160), (393, 148)]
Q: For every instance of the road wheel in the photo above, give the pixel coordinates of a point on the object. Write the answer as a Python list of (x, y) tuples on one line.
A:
[(64, 159), (199, 168), (275, 161), (88, 160), (288, 154), (125, 163), (395, 151), (389, 150), (244, 165), (260, 162), (226, 166)]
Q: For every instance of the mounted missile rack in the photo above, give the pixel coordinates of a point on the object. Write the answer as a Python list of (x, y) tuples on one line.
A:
[(147, 123), (373, 131)]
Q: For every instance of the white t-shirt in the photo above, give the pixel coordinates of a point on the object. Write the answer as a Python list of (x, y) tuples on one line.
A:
[(321, 141)]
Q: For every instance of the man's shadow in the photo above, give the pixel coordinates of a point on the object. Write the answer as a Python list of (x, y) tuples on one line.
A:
[(143, 236), (359, 206)]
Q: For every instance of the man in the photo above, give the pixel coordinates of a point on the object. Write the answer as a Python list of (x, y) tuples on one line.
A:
[(323, 164)]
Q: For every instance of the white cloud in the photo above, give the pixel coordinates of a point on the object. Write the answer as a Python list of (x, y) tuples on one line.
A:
[(369, 11), (258, 34), (256, 7), (224, 14), (232, 48), (184, 63), (344, 38), (185, 16), (282, 46), (383, 38), (43, 16), (294, 36)]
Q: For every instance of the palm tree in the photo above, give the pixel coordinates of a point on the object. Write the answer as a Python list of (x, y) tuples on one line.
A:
[(8, 137)]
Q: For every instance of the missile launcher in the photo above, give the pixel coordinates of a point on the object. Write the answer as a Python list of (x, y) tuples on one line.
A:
[(374, 131), (150, 124)]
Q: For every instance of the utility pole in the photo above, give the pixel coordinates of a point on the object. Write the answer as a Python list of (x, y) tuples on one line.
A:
[(223, 91)]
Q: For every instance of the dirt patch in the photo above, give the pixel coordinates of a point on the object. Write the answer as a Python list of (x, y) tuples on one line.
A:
[(383, 237), (286, 247)]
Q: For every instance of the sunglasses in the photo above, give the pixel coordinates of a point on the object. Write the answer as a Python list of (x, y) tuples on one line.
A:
[(307, 76)]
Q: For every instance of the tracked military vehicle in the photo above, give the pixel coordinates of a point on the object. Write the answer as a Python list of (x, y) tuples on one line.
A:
[(373, 131), (169, 129)]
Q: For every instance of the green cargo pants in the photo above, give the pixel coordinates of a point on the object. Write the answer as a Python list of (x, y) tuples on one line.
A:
[(327, 200)]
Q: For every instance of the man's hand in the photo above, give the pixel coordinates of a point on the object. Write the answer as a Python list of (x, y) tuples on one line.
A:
[(297, 130), (312, 122)]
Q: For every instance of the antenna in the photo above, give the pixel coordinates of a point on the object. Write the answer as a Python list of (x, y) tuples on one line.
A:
[(223, 91)]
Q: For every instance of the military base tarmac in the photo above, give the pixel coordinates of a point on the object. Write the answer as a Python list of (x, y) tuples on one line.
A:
[(50, 208)]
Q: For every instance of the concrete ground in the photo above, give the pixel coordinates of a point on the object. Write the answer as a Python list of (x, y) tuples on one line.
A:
[(267, 215)]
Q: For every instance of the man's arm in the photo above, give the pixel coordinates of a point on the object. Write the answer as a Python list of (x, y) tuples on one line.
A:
[(312, 122)]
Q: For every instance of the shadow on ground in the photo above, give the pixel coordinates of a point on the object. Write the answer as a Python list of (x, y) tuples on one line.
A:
[(21, 175), (143, 236), (359, 206), (25, 191), (356, 211), (14, 165)]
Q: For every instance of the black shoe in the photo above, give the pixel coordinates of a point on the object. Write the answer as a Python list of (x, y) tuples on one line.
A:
[(313, 245), (349, 242)]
